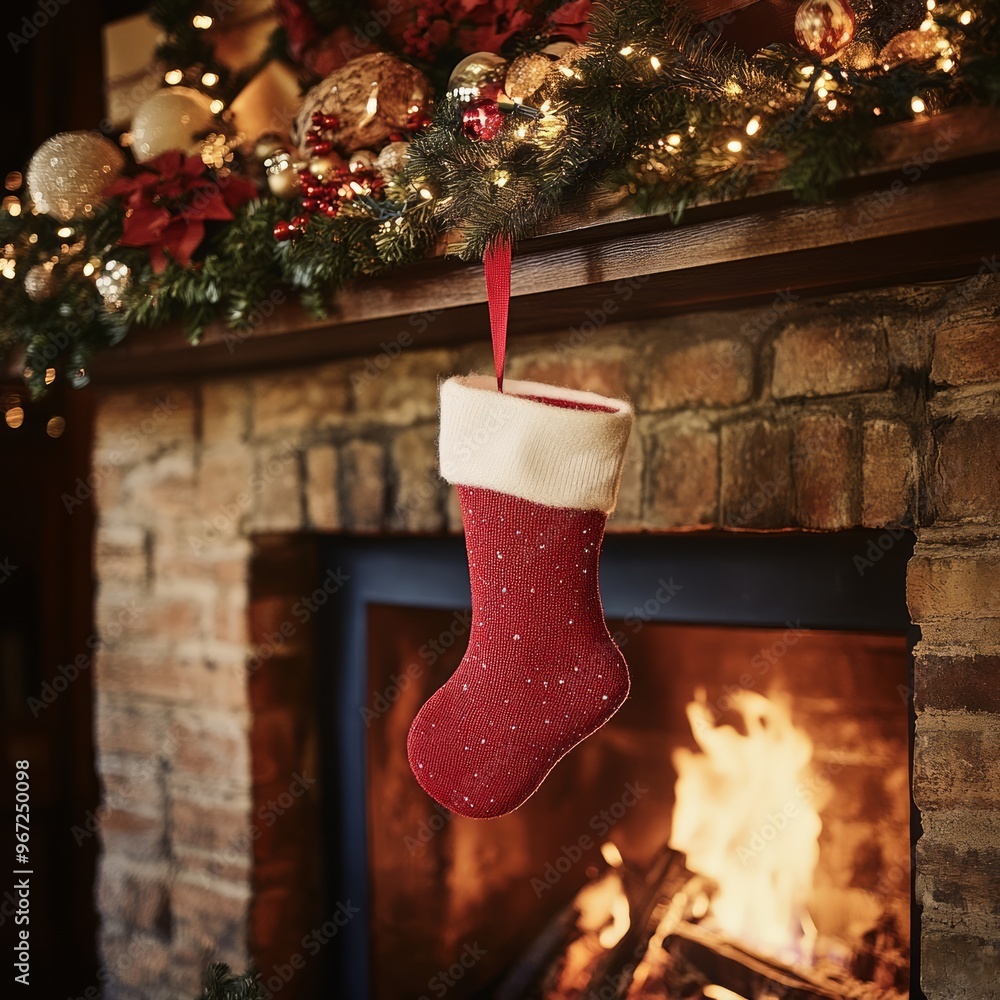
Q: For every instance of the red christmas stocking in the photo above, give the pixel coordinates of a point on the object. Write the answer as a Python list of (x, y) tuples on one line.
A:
[(537, 469)]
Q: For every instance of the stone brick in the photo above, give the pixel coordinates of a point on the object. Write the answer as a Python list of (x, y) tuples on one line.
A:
[(210, 825), (967, 350), (757, 483), (226, 491), (121, 553), (825, 465), (404, 391), (225, 411), (958, 967), (126, 726), (829, 356), (292, 402), (363, 485), (230, 616), (963, 683), (212, 746), (698, 372), (135, 423), (277, 486), (164, 616), (604, 371), (133, 835), (953, 583), (954, 761), (966, 480), (628, 513), (958, 857), (165, 486), (420, 488), (683, 471), (182, 674), (133, 784), (209, 919), (194, 552), (322, 500), (140, 961), (138, 899), (888, 474)]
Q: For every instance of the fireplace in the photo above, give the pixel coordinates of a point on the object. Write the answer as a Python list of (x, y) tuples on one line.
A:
[(214, 522), (753, 793)]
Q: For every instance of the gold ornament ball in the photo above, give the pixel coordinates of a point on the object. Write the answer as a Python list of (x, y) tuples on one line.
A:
[(393, 159), (474, 73), (171, 119), (372, 96), (363, 159), (69, 171), (39, 283), (858, 55), (267, 145), (323, 166), (525, 76), (282, 176), (909, 46), (824, 27)]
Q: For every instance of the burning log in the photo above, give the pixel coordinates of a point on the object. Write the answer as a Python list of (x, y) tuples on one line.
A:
[(748, 975), (618, 965)]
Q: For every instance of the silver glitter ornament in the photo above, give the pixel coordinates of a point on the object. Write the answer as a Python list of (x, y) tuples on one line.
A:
[(69, 171)]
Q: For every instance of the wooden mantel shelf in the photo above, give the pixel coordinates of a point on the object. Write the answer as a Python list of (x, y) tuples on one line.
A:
[(930, 212)]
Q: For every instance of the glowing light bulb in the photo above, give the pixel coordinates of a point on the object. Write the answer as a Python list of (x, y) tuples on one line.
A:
[(917, 105), (173, 76), (201, 21), (965, 17), (64, 231), (753, 126), (734, 145), (832, 104), (425, 194), (931, 4), (626, 50), (210, 79), (673, 139), (501, 178), (655, 62), (216, 106)]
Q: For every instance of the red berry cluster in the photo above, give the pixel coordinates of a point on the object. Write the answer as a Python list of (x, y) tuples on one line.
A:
[(328, 193)]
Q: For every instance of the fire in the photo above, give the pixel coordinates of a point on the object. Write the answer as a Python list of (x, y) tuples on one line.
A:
[(746, 822), (603, 904)]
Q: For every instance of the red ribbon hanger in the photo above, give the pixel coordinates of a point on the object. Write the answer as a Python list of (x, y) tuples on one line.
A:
[(496, 269)]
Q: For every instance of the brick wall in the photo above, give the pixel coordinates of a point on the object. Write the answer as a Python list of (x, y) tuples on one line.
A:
[(875, 409)]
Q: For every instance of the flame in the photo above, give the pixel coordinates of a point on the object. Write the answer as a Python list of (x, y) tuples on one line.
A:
[(745, 820), (603, 904)]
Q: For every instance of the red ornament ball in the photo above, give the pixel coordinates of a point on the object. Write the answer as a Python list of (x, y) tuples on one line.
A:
[(283, 231), (482, 120), (824, 27)]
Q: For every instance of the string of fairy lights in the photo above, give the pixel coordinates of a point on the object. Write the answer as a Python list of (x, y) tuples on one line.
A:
[(372, 176)]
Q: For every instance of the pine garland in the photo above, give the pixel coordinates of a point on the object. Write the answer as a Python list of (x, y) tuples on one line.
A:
[(650, 105)]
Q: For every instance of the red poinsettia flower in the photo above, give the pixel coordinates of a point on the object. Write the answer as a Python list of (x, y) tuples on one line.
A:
[(571, 20), (168, 202), (493, 22)]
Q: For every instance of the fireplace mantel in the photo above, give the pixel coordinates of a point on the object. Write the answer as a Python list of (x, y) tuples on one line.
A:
[(928, 212)]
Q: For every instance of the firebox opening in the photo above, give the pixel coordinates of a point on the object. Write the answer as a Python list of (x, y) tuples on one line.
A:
[(740, 828)]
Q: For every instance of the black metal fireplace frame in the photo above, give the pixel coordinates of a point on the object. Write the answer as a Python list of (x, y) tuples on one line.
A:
[(851, 580)]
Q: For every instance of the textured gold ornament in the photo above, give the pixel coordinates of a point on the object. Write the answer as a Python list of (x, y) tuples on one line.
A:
[(858, 55), (171, 119), (824, 27), (478, 75), (393, 158), (69, 171), (909, 46), (372, 96), (40, 282), (526, 74)]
